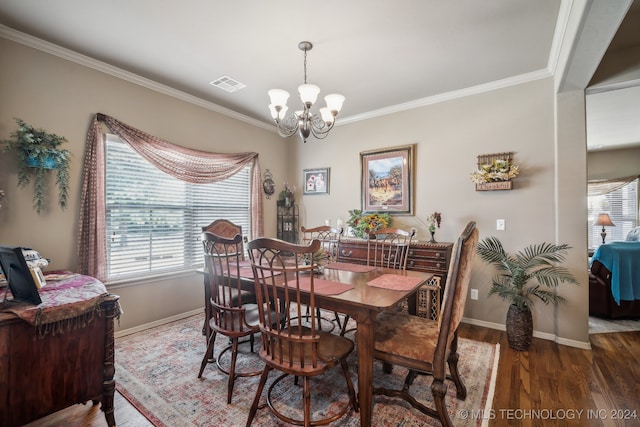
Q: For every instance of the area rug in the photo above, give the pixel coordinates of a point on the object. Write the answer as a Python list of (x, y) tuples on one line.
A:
[(156, 370)]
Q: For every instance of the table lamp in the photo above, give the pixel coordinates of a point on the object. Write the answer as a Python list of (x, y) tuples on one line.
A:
[(604, 220)]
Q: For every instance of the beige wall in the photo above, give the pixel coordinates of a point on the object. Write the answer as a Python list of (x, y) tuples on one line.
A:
[(62, 97), (448, 137), (613, 163)]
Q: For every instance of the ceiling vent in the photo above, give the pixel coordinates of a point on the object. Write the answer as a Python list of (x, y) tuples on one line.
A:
[(228, 84)]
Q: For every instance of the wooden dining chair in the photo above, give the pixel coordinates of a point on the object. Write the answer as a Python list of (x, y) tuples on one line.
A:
[(224, 228), (329, 238), (426, 346), (389, 248), (230, 315), (294, 349)]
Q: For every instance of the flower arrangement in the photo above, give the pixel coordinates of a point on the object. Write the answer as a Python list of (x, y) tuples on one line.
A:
[(287, 195), (434, 221), (362, 223), (320, 257), (499, 170)]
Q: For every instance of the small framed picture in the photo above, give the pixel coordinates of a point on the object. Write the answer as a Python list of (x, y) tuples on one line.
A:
[(316, 181)]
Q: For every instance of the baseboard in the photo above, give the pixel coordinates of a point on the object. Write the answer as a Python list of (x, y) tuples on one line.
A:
[(170, 319), (543, 335)]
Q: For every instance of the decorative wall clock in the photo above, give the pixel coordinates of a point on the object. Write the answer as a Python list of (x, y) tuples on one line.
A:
[(268, 185)]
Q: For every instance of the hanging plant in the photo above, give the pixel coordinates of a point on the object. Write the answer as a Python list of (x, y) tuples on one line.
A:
[(39, 154)]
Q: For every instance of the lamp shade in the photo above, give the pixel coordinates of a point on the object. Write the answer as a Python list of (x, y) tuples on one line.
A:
[(604, 220), (308, 93), (334, 102), (278, 97)]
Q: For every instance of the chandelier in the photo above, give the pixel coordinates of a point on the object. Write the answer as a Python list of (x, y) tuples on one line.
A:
[(304, 122)]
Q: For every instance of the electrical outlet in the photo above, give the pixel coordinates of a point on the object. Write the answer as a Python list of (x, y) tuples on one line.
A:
[(500, 224), (474, 294)]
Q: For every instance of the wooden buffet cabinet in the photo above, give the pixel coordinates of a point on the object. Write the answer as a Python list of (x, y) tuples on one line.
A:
[(423, 256), (41, 374)]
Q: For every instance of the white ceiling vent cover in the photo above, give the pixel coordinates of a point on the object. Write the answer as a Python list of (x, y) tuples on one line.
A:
[(228, 84)]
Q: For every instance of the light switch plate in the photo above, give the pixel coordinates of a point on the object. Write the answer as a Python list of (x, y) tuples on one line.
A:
[(500, 224)]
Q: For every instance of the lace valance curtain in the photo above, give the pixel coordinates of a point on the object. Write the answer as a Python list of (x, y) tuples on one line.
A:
[(193, 166), (604, 186)]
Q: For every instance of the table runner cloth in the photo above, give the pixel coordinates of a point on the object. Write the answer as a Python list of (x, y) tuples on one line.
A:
[(69, 301), (395, 282)]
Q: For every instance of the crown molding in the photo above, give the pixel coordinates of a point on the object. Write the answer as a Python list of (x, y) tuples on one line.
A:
[(64, 53), (448, 96)]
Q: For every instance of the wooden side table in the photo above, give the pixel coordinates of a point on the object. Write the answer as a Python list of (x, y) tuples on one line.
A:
[(46, 368)]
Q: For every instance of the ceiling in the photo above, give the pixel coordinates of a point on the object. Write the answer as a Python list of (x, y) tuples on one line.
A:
[(382, 56)]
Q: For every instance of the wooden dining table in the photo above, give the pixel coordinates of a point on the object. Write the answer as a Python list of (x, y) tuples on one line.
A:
[(367, 292)]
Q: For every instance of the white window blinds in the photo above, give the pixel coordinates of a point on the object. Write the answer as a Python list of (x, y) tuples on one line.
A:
[(620, 201), (154, 221)]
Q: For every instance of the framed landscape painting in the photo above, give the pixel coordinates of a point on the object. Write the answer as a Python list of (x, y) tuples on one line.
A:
[(316, 181), (387, 180)]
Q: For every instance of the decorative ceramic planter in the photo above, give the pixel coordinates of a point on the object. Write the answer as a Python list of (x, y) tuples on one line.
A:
[(48, 162)]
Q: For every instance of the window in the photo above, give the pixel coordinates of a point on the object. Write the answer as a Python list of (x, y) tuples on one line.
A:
[(622, 206), (153, 221)]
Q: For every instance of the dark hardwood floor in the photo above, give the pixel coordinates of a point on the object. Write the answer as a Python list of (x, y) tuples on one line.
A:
[(550, 385)]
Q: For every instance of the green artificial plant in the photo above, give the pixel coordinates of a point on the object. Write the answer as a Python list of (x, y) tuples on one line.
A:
[(39, 153), (530, 273)]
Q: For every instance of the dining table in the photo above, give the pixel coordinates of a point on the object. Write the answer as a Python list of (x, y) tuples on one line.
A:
[(362, 292)]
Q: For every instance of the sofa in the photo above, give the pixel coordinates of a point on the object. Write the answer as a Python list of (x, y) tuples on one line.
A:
[(614, 281)]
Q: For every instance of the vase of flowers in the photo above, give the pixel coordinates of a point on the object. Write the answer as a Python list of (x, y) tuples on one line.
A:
[(287, 196), (434, 222), (362, 224)]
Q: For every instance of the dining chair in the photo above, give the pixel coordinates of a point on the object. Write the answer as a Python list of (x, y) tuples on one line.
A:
[(230, 315), (426, 346), (292, 348), (389, 248), (224, 228), (329, 238)]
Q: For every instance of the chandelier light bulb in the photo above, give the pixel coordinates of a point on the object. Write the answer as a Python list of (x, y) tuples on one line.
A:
[(279, 97), (308, 93), (334, 102), (327, 115)]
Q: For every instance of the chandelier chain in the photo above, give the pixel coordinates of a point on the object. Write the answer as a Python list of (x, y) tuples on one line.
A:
[(305, 66)]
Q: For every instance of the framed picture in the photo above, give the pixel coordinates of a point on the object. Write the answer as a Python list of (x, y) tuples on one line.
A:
[(316, 181), (387, 180)]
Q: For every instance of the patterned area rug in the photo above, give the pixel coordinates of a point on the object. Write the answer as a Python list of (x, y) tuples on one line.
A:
[(156, 370)]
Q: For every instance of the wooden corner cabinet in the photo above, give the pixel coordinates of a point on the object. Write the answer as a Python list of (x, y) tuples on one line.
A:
[(44, 373), (423, 256)]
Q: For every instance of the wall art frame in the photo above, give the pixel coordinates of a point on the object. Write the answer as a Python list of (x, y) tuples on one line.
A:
[(387, 180), (316, 181)]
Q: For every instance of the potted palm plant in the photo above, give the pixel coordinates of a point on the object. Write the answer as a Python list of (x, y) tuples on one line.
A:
[(39, 153), (530, 274)]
